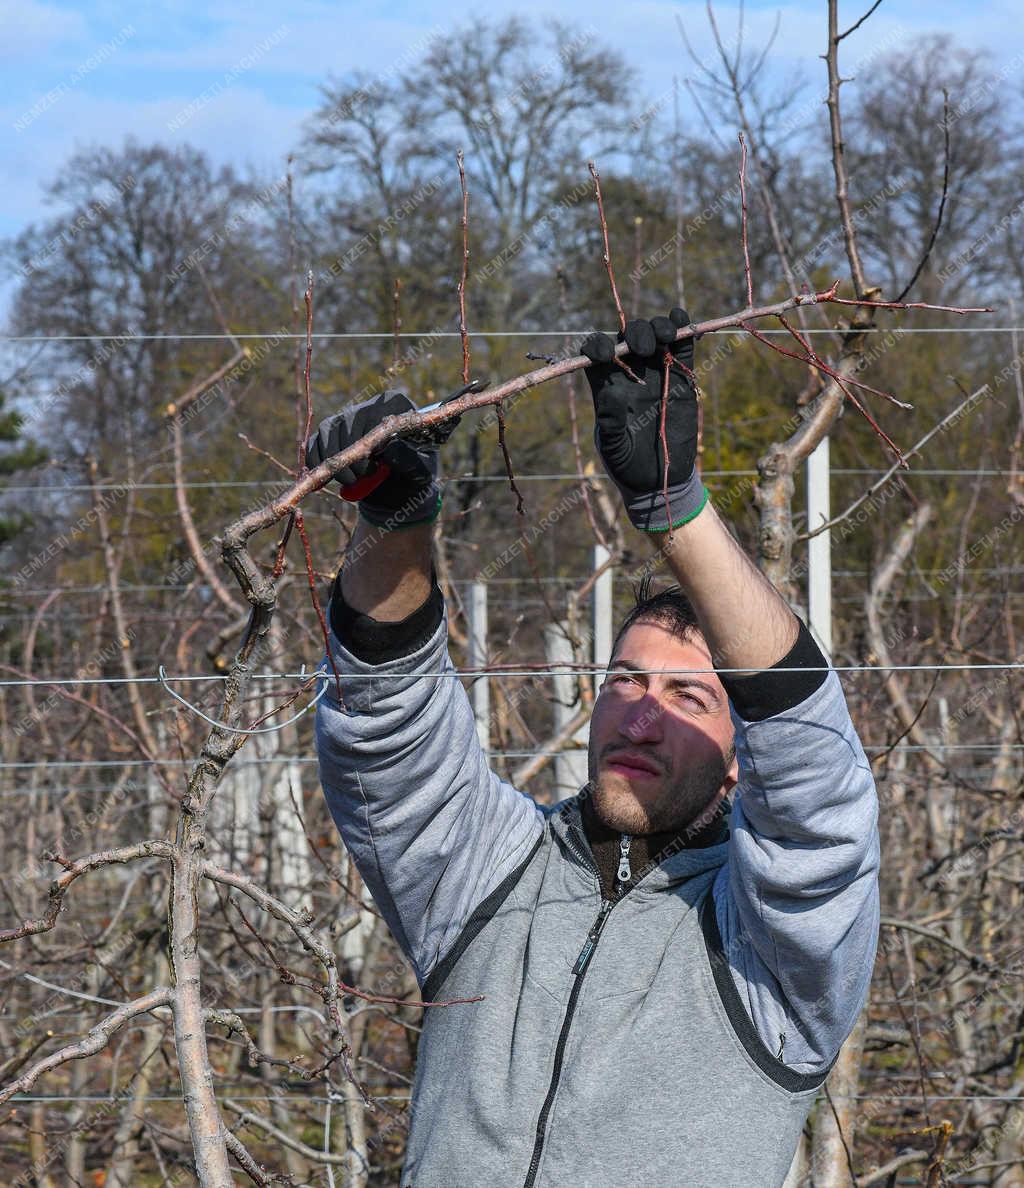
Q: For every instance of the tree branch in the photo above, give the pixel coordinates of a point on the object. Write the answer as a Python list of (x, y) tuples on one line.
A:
[(74, 870), (860, 285), (95, 1041)]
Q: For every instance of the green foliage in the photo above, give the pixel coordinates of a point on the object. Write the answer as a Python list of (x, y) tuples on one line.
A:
[(16, 455)]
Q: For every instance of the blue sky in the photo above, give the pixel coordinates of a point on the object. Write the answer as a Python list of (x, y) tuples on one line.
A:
[(92, 72)]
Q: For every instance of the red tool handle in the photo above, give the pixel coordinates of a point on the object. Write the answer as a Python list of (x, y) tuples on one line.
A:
[(369, 482)]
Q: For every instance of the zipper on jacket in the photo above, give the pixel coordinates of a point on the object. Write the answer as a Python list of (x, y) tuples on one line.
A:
[(578, 970), (624, 874)]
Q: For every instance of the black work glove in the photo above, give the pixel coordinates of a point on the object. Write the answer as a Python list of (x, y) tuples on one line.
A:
[(627, 418), (410, 494)]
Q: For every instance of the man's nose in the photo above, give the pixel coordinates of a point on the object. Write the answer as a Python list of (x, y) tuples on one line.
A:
[(644, 721)]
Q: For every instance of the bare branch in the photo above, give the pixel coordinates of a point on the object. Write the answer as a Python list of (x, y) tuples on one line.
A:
[(607, 257), (860, 285), (95, 1041), (853, 28), (396, 325), (942, 199), (546, 751), (255, 1171), (77, 868), (934, 935), (743, 221), (879, 483), (238, 532), (463, 331), (894, 1165), (202, 563)]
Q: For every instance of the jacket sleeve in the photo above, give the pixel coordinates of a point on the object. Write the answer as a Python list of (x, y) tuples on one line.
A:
[(797, 901), (432, 829)]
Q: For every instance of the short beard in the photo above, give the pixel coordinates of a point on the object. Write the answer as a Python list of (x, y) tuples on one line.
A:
[(678, 804)]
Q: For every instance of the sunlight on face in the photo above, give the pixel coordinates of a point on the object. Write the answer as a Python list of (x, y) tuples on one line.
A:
[(661, 744)]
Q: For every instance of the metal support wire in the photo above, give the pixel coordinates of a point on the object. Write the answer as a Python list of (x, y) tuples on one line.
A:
[(320, 672), (496, 673), (361, 335)]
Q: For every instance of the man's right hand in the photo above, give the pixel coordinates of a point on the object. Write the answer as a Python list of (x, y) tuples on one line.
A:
[(410, 494)]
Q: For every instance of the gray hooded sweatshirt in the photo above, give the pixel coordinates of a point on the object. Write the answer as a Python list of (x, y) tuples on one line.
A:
[(674, 1036)]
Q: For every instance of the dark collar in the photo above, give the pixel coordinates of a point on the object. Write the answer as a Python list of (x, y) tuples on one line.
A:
[(645, 851)]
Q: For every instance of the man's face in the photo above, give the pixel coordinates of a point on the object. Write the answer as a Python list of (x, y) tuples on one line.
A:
[(661, 745)]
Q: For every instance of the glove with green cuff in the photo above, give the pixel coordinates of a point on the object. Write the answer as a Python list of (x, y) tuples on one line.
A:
[(628, 416)]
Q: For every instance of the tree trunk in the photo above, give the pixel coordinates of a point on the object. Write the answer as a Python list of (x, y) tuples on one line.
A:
[(832, 1148)]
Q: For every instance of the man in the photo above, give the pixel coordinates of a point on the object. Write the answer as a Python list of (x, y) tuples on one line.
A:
[(665, 983)]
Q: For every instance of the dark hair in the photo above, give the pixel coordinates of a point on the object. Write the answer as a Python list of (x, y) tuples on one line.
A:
[(668, 608)]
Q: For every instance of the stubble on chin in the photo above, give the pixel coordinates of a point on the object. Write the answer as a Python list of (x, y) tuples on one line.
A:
[(675, 806), (618, 807)]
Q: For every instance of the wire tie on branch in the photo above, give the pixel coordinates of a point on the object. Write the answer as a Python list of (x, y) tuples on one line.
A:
[(320, 673)]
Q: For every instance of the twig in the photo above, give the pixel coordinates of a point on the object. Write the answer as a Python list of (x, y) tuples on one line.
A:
[(845, 515), (842, 1136), (192, 394), (638, 243), (932, 934), (293, 275), (831, 56), (396, 324), (521, 512), (894, 1165), (574, 427), (942, 199), (299, 922), (175, 412), (463, 331), (266, 454), (237, 533), (77, 868), (663, 439), (300, 524), (821, 365), (283, 972), (520, 502), (61, 691), (766, 187), (307, 298), (677, 185), (546, 751), (863, 303), (743, 221), (842, 384), (853, 28), (607, 257), (246, 1162)]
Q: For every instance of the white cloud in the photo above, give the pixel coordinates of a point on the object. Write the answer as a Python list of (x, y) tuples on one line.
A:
[(33, 28)]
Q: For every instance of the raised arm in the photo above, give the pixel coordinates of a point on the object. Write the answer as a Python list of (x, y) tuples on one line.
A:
[(433, 831), (796, 907)]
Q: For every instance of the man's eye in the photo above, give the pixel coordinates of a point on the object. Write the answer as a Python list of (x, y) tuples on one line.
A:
[(691, 699), (623, 679)]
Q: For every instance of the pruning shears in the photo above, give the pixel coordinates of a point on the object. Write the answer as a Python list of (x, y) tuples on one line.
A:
[(430, 435)]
